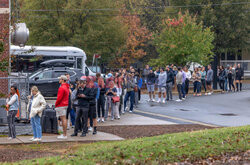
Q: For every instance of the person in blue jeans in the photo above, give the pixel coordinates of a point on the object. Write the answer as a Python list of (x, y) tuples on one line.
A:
[(36, 106), (129, 85)]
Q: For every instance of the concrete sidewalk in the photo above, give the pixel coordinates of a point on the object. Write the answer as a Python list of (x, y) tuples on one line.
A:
[(126, 119)]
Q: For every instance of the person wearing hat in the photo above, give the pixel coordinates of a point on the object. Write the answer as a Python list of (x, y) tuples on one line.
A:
[(82, 109), (62, 103)]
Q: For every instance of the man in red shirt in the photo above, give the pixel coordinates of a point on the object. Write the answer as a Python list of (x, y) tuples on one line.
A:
[(61, 105)]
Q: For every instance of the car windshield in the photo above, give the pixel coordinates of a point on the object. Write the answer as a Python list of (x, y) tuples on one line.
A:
[(93, 69)]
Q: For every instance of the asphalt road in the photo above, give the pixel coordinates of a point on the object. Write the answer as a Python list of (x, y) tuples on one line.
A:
[(229, 109)]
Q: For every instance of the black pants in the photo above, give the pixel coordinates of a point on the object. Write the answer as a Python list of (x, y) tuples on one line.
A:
[(187, 86), (101, 105), (11, 124), (203, 83), (81, 119), (92, 113), (222, 83), (231, 83), (179, 90), (139, 94)]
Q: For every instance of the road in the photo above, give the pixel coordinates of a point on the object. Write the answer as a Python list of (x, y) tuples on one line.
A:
[(229, 109)]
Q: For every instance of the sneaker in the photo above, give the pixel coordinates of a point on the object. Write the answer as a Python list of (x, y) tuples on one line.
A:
[(130, 111), (37, 140), (126, 109), (74, 134), (90, 129), (10, 138), (98, 120), (209, 93), (112, 119), (61, 137), (153, 100), (149, 100), (164, 101), (102, 120), (159, 100), (183, 98), (31, 139), (178, 100), (118, 117)]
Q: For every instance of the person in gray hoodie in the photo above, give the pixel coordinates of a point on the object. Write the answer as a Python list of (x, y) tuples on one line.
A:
[(179, 78), (162, 78)]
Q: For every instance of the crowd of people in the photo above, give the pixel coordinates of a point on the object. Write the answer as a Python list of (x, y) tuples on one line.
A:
[(93, 99)]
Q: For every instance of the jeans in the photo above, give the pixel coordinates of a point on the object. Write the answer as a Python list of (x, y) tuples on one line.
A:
[(169, 91), (11, 124), (131, 95), (183, 91), (81, 119), (109, 104), (197, 87), (179, 87), (231, 84), (225, 85), (101, 105), (203, 82), (222, 83), (36, 126), (186, 86), (72, 116)]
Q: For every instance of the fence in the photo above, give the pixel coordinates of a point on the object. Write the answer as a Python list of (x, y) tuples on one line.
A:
[(22, 84)]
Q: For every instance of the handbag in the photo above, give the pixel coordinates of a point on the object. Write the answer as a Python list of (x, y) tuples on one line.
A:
[(116, 99)]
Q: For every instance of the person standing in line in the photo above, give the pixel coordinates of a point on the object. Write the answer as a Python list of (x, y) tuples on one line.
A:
[(151, 85), (203, 79), (72, 111), (210, 75), (146, 72), (69, 105), (62, 103), (82, 109), (110, 92), (169, 83), (76, 105), (222, 75), (197, 82), (101, 100), (230, 79), (239, 77), (130, 85), (226, 77), (116, 104), (162, 79), (234, 74), (36, 106), (183, 90), (12, 105), (188, 78), (179, 82), (139, 83), (93, 94)]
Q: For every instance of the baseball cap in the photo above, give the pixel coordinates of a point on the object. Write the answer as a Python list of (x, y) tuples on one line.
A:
[(110, 75), (63, 77)]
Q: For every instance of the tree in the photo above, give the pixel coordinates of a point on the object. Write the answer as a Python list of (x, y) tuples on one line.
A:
[(228, 19), (183, 41), (137, 37)]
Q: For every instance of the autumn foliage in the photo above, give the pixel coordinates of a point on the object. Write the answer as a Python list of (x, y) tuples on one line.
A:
[(137, 37)]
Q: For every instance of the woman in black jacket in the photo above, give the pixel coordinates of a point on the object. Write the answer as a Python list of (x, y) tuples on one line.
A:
[(222, 75), (239, 77)]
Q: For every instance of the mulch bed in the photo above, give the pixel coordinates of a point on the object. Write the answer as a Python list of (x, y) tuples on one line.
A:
[(13, 155), (131, 132)]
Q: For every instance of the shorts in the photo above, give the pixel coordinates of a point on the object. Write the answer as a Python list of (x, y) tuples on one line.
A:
[(161, 89), (238, 78), (61, 111), (92, 111), (151, 88), (209, 82)]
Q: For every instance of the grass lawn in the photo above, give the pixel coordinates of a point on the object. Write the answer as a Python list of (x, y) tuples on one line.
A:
[(177, 147)]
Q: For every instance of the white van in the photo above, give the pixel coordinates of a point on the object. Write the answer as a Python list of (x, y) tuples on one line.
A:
[(28, 59)]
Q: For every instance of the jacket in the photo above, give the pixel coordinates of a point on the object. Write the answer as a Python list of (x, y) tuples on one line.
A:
[(130, 84), (162, 78), (92, 95), (37, 106), (179, 78), (222, 75), (151, 79), (239, 72), (83, 102), (63, 96), (170, 77), (13, 102)]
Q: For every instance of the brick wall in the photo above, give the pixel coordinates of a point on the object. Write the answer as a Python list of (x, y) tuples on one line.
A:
[(4, 21)]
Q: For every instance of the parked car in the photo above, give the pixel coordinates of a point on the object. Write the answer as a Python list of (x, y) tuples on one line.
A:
[(47, 79)]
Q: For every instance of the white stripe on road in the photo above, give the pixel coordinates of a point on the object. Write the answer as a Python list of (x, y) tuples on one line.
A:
[(176, 118)]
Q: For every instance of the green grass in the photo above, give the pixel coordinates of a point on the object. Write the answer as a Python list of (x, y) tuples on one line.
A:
[(157, 150)]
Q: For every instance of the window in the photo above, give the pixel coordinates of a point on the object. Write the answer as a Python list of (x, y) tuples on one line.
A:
[(58, 73), (45, 75), (79, 63)]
